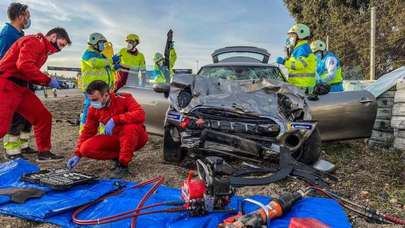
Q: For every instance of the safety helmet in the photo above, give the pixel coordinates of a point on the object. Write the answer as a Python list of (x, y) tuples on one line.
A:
[(133, 37), (94, 38), (301, 30), (158, 57), (318, 45)]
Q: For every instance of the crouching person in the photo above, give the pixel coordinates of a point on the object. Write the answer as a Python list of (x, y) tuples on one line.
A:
[(124, 133)]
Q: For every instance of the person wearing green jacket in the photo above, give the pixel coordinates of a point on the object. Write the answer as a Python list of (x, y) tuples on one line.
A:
[(95, 66), (163, 64)]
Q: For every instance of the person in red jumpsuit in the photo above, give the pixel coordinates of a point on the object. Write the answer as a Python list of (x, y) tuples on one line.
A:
[(124, 133), (21, 66)]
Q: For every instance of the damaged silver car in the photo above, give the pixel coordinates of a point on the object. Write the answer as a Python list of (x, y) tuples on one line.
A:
[(238, 118)]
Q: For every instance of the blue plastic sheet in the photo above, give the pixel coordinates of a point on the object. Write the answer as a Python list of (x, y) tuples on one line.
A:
[(57, 207)]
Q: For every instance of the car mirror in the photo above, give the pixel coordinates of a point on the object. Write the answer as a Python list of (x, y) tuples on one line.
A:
[(162, 88)]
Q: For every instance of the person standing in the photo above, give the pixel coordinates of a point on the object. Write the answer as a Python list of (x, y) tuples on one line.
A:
[(20, 66), (329, 69), (95, 66), (299, 61), (16, 142), (132, 61)]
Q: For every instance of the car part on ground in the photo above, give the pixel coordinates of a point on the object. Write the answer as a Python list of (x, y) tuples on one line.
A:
[(287, 166), (20, 195)]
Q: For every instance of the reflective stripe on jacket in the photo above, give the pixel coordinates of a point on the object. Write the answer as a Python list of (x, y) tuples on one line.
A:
[(301, 66)]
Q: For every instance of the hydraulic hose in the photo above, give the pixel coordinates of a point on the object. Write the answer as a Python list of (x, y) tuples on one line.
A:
[(360, 209), (133, 214)]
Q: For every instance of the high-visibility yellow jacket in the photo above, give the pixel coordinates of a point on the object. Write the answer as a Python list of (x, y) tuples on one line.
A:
[(94, 66), (160, 71), (329, 69), (301, 66), (135, 61)]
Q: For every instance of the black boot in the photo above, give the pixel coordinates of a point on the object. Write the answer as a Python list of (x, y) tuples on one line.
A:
[(48, 157), (119, 171), (14, 156), (28, 150)]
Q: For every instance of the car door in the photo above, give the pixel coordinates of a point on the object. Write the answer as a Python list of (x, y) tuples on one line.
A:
[(344, 115), (154, 104)]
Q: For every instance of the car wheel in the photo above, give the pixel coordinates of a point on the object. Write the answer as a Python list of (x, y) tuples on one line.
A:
[(310, 151), (172, 151)]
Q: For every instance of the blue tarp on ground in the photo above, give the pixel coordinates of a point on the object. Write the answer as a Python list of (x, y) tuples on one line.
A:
[(56, 206)]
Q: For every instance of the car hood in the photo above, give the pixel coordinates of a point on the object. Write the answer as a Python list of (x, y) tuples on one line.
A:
[(264, 98)]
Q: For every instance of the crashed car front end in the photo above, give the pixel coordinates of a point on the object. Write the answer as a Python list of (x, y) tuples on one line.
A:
[(248, 119)]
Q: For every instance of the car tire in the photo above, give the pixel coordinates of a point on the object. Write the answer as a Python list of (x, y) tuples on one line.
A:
[(172, 151), (310, 151)]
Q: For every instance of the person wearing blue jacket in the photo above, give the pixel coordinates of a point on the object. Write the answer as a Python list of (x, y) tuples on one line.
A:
[(329, 69), (17, 139)]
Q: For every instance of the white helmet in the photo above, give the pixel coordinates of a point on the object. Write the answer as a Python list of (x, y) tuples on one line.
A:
[(301, 30), (94, 38), (318, 45)]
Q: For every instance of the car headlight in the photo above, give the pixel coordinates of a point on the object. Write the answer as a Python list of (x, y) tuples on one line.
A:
[(184, 98)]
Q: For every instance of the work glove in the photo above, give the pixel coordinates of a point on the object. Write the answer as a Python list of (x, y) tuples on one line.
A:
[(280, 60), (117, 66), (54, 84), (116, 59), (72, 162), (109, 126)]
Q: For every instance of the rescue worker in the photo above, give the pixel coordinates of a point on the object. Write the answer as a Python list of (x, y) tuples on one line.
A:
[(124, 133), (16, 141), (95, 66), (328, 70), (132, 60), (163, 68), (20, 66), (300, 61)]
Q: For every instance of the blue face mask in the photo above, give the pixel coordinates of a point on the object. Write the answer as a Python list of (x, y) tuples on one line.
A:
[(100, 46), (319, 55), (96, 104)]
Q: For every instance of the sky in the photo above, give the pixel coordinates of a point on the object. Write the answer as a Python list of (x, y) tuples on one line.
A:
[(199, 26)]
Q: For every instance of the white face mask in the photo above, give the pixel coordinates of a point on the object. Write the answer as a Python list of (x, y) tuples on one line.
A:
[(130, 46), (291, 41)]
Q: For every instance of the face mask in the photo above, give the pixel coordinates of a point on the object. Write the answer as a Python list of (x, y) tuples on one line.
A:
[(291, 41), (27, 24), (96, 104), (100, 46), (319, 55), (55, 45), (130, 46)]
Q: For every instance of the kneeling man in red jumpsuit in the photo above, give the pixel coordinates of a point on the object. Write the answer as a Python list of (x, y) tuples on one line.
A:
[(124, 133)]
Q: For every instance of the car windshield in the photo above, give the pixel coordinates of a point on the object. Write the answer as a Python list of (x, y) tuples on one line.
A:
[(242, 72)]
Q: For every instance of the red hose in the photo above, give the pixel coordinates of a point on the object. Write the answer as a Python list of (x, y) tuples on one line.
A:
[(133, 214), (159, 181)]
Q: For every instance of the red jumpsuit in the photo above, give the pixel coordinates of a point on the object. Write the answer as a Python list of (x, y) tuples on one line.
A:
[(128, 136), (22, 64)]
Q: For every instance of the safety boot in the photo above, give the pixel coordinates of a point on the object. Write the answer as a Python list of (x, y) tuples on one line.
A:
[(119, 172), (12, 147), (24, 141), (48, 157)]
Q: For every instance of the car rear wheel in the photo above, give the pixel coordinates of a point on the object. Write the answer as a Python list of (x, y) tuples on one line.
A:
[(310, 151), (171, 145)]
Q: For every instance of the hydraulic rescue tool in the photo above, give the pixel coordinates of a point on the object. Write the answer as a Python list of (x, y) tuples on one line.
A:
[(211, 191), (279, 206)]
